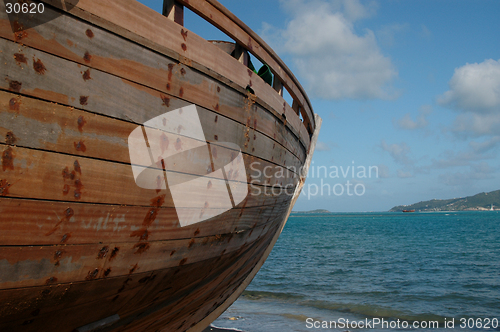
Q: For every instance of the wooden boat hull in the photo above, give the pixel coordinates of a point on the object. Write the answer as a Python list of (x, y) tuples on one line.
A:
[(82, 246)]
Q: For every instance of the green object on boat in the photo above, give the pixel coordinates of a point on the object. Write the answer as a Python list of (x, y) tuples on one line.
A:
[(265, 73)]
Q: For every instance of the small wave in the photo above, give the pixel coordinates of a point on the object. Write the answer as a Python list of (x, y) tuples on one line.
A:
[(260, 295), (301, 318)]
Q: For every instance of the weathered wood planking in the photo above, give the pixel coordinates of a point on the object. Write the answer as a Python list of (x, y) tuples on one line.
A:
[(27, 266), (134, 63), (177, 292), (136, 22), (204, 300), (112, 96), (219, 16), (59, 223), (51, 176), (33, 123)]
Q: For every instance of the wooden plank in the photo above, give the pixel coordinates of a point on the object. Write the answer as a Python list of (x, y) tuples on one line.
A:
[(109, 95), (27, 266), (140, 24), (46, 223), (50, 176)]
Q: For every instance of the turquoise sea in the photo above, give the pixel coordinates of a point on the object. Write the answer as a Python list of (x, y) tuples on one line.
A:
[(417, 268)]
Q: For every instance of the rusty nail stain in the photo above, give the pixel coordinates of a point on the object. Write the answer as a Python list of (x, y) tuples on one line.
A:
[(217, 107), (184, 47), (181, 92), (10, 138), (172, 253), (218, 89), (216, 118), (19, 57), (168, 86), (4, 187), (15, 86), (39, 66), (58, 254), (51, 280), (78, 194), (115, 298), (170, 68), (131, 271), (89, 33), (86, 75), (8, 159), (114, 253), (216, 137), (103, 252), (65, 189), (80, 146), (81, 122), (84, 100), (87, 57), (19, 31), (183, 261), (77, 167), (183, 71), (178, 144), (14, 104), (92, 275), (142, 233), (191, 243), (166, 100), (184, 34), (250, 72)]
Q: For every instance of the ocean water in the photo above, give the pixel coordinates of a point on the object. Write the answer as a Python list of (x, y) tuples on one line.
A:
[(418, 268)]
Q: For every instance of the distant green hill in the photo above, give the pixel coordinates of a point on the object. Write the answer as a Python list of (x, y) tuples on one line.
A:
[(482, 201), (312, 211)]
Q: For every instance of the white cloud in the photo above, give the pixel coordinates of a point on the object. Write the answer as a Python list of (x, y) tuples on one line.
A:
[(408, 123), (399, 152), (471, 124), (383, 171), (322, 146), (475, 88), (477, 172), (333, 59), (402, 174)]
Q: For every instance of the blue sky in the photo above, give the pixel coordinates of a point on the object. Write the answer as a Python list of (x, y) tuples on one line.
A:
[(409, 87)]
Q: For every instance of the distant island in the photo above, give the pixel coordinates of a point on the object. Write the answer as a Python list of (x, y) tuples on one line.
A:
[(312, 211), (479, 202)]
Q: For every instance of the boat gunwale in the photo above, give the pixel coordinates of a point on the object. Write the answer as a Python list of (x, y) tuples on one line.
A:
[(264, 53)]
